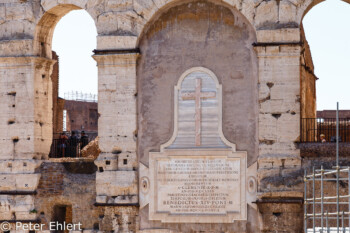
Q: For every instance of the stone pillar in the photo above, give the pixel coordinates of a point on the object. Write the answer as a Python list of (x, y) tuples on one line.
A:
[(116, 179), (26, 132), (279, 162)]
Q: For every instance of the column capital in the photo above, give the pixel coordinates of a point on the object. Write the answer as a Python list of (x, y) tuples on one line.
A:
[(19, 60), (118, 57), (278, 36)]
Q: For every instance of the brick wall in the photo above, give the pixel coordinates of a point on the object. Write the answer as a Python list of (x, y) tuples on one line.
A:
[(57, 103), (81, 115), (60, 187), (51, 181), (332, 114)]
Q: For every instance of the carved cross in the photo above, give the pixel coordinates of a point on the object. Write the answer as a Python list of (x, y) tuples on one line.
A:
[(198, 96)]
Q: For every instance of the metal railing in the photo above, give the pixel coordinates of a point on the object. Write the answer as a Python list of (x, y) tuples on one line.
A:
[(327, 208), (313, 128), (62, 148), (91, 134)]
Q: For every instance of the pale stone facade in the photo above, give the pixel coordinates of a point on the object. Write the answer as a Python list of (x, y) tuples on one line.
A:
[(254, 47)]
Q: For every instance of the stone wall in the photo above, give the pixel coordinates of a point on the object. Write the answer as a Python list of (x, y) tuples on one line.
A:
[(273, 100), (197, 34), (307, 81), (81, 115), (332, 114), (57, 103), (192, 35)]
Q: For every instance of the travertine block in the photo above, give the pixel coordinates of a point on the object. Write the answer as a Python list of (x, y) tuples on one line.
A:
[(115, 183), (116, 42), (283, 148), (18, 166), (287, 13), (19, 206), (288, 91), (279, 161), (278, 35), (279, 106), (19, 182), (119, 5), (262, 173), (266, 14)]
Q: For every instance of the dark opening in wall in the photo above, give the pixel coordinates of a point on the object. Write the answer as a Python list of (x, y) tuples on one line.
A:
[(80, 167), (62, 214)]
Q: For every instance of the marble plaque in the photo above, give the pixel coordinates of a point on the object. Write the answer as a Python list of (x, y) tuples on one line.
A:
[(197, 176), (205, 185), (197, 186)]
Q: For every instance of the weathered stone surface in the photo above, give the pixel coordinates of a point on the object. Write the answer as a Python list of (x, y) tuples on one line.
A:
[(267, 88), (115, 183)]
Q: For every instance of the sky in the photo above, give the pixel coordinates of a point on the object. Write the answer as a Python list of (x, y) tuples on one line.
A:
[(74, 40), (327, 29)]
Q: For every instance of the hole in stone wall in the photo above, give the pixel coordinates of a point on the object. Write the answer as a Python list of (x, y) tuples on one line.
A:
[(15, 139), (11, 121), (276, 115), (24, 164), (43, 76), (108, 162), (100, 169), (277, 214), (96, 226), (12, 93), (125, 161), (270, 85)]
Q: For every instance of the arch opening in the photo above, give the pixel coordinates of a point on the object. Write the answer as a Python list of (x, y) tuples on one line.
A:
[(324, 70), (67, 33)]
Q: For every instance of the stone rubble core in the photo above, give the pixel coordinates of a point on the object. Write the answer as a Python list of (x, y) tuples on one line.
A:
[(259, 53)]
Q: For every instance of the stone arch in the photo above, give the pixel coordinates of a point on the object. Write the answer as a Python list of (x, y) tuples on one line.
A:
[(46, 26), (153, 12), (306, 6)]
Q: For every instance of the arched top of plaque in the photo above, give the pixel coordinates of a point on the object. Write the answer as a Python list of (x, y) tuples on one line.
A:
[(198, 113)]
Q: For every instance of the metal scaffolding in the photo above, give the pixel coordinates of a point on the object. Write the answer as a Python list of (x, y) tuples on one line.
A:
[(79, 96), (328, 213)]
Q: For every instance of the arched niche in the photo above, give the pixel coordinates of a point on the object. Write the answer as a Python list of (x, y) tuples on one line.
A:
[(152, 11), (197, 34), (46, 27)]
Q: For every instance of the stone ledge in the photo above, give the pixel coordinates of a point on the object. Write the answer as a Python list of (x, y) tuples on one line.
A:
[(13, 193), (282, 194), (117, 204), (22, 221), (72, 160), (327, 149)]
